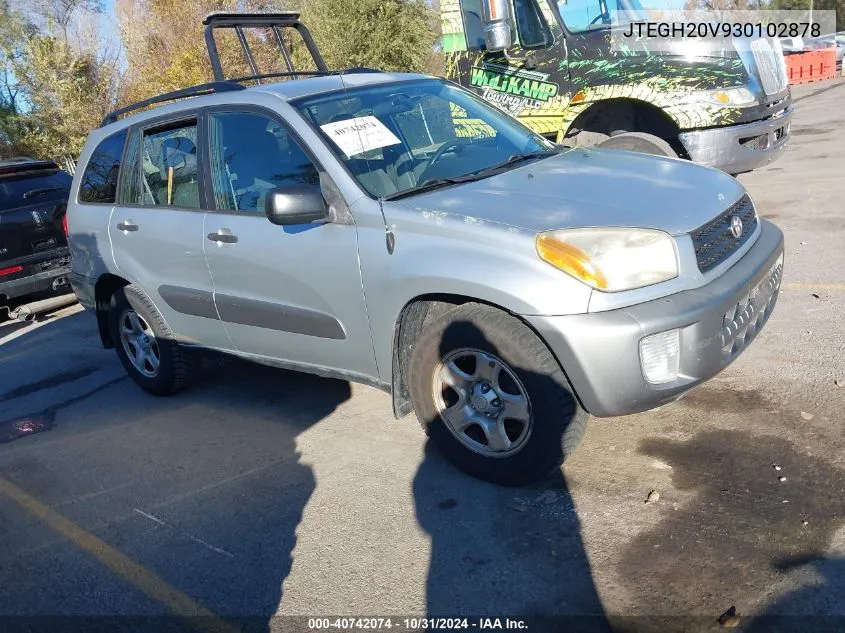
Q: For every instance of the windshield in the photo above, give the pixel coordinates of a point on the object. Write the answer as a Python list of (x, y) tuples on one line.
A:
[(398, 137), (585, 15)]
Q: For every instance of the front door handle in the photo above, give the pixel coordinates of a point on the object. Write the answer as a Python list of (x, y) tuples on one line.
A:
[(127, 225), (223, 236)]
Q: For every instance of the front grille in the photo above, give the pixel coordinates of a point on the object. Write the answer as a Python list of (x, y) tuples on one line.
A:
[(770, 66), (744, 320), (715, 242)]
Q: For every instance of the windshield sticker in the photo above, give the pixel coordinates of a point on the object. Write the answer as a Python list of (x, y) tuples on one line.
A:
[(359, 134)]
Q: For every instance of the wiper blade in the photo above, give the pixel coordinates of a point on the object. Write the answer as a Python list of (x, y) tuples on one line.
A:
[(438, 183), (429, 185), (514, 160), (36, 192)]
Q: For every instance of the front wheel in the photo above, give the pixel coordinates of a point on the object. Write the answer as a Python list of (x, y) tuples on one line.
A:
[(493, 397), (639, 142)]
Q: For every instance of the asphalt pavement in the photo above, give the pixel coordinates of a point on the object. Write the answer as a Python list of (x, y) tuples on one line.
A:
[(262, 493)]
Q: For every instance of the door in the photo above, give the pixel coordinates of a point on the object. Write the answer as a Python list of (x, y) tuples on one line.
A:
[(530, 80), (156, 229), (289, 293)]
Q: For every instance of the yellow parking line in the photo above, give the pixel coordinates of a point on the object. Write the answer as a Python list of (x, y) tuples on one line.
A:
[(138, 576), (800, 285)]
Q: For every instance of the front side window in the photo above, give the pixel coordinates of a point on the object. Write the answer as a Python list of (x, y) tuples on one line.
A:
[(169, 166), (473, 26), (400, 136), (531, 25), (250, 155), (99, 180)]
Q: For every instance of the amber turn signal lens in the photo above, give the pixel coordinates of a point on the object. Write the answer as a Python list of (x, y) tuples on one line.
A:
[(570, 259)]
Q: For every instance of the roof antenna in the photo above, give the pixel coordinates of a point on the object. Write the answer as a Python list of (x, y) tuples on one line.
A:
[(389, 237)]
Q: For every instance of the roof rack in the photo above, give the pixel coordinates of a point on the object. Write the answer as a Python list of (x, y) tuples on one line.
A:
[(238, 22), (184, 93), (274, 21)]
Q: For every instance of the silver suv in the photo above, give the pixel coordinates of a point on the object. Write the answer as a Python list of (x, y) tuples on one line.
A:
[(396, 230)]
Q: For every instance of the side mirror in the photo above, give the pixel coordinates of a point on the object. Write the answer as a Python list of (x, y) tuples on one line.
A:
[(299, 204), (497, 25), (497, 36)]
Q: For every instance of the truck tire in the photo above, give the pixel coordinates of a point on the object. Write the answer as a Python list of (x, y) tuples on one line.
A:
[(145, 345), (475, 366), (639, 142)]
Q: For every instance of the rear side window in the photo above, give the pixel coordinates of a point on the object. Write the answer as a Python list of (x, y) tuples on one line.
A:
[(99, 181), (25, 188), (169, 172)]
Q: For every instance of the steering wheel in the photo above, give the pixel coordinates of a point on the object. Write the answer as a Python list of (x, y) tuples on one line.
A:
[(446, 147), (600, 16)]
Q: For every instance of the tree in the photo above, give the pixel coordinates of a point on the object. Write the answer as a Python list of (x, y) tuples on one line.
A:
[(67, 92), (54, 87), (13, 29), (396, 35)]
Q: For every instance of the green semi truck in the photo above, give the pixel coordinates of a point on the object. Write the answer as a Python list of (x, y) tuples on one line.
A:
[(551, 63)]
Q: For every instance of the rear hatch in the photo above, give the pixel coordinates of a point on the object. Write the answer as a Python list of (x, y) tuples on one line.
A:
[(33, 201)]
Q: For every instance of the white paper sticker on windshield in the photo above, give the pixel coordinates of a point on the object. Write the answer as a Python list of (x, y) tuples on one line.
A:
[(359, 135)]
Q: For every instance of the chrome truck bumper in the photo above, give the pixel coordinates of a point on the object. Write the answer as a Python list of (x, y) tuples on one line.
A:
[(600, 352), (739, 148)]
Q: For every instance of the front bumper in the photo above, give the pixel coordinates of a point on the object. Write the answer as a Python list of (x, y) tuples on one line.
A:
[(739, 148), (600, 351)]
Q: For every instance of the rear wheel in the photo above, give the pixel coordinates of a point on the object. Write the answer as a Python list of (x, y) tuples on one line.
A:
[(493, 397), (639, 142), (146, 346)]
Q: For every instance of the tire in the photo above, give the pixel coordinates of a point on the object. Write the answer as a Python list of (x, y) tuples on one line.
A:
[(555, 420), (176, 367), (639, 142)]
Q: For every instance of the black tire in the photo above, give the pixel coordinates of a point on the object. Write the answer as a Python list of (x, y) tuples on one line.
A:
[(639, 142), (177, 366), (557, 420)]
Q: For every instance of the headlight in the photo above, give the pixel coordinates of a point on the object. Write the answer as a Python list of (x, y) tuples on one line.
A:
[(611, 259), (736, 97)]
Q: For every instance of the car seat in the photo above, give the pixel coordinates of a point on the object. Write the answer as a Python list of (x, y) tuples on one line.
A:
[(179, 154), (252, 159)]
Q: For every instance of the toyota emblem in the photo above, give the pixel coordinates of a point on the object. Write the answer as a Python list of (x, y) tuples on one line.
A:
[(736, 227)]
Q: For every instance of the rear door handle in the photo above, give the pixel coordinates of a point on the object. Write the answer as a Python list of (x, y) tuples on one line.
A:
[(128, 225), (223, 236)]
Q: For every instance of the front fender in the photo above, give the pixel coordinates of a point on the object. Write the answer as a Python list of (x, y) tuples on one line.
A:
[(440, 253)]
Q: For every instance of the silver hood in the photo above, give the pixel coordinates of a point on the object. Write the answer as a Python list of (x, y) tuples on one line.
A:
[(591, 187)]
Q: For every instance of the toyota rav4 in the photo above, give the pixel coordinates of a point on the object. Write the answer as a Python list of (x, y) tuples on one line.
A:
[(397, 230)]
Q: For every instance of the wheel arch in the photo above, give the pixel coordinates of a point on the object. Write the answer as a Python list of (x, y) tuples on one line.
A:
[(409, 325), (104, 289), (607, 116)]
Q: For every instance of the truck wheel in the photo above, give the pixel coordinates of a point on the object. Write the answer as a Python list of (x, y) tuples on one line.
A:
[(492, 396), (146, 346), (639, 142)]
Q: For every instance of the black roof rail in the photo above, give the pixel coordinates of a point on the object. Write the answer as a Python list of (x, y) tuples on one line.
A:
[(184, 93), (274, 21)]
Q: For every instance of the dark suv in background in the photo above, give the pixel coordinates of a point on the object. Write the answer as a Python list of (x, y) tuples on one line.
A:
[(34, 255)]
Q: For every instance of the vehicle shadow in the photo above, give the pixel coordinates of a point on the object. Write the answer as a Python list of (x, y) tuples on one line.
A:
[(257, 510), (816, 606), (206, 489), (504, 552)]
